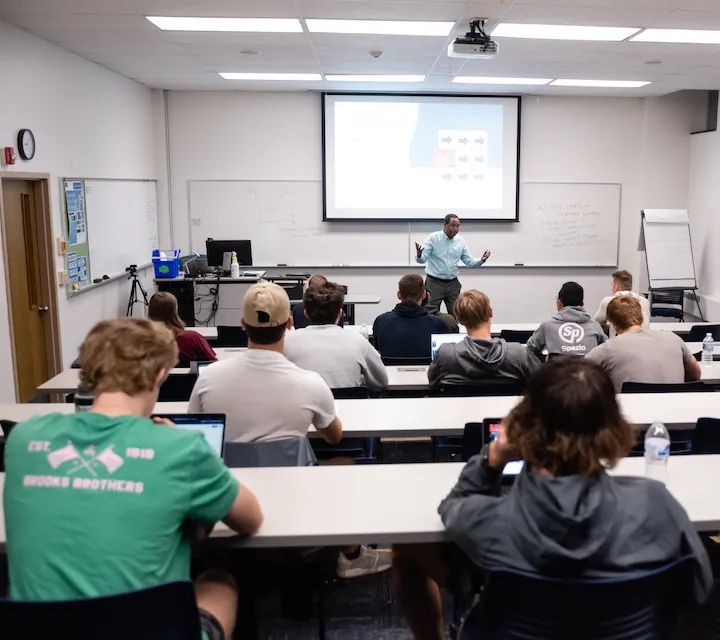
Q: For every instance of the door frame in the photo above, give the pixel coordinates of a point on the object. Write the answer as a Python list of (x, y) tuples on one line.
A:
[(46, 255)]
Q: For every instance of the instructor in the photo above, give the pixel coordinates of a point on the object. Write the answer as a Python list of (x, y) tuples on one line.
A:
[(440, 254)]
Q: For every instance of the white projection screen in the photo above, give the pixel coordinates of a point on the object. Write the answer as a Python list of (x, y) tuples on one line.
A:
[(420, 157)]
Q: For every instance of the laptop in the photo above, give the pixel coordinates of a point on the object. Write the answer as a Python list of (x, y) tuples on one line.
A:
[(491, 429), (211, 425), (439, 339), (198, 366)]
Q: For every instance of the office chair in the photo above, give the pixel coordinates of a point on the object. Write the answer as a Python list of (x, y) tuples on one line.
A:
[(516, 336), (285, 452), (706, 437), (361, 450), (514, 388), (350, 393), (698, 332), (157, 613), (231, 337), (667, 304), (657, 387), (177, 387), (517, 604)]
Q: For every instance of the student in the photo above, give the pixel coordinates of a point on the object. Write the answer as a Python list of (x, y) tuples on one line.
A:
[(636, 355), (405, 331), (247, 387), (565, 514), (163, 308), (571, 331), (622, 282), (344, 358), (300, 320), (480, 358), (96, 502)]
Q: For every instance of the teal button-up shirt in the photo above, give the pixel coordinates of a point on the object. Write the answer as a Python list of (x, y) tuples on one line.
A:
[(441, 254)]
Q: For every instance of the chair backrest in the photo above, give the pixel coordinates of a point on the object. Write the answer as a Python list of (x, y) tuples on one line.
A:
[(286, 452), (406, 362), (515, 388), (177, 387), (231, 337), (706, 436), (698, 332), (350, 393), (667, 304), (516, 336), (678, 387), (472, 442), (164, 612), (532, 607)]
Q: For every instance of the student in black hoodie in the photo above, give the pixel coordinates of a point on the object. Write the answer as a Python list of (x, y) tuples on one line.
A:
[(405, 331), (565, 515)]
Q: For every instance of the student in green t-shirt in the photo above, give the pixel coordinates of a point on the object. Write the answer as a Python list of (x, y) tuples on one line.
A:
[(96, 503)]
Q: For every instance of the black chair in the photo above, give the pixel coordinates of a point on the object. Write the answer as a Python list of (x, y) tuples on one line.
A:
[(177, 387), (407, 362), (361, 450), (472, 440), (350, 393), (484, 389), (655, 387), (667, 304), (706, 437), (517, 604), (698, 332), (164, 612), (516, 336), (6, 426), (285, 452), (231, 337)]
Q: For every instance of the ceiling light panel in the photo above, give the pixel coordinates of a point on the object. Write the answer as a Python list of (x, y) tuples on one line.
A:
[(678, 36), (617, 84), (374, 78), (283, 77), (502, 81), (248, 25), (563, 32), (381, 27)]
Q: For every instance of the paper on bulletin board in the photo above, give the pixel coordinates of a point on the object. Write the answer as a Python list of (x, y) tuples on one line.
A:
[(76, 219)]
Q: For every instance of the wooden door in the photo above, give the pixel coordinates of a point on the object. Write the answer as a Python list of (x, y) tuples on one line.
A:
[(29, 311)]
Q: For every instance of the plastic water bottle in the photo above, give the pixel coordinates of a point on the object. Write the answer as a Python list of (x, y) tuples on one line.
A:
[(83, 400), (708, 348), (364, 331), (234, 266), (657, 451)]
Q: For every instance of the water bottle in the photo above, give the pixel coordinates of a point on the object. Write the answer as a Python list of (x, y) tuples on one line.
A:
[(657, 451), (707, 350), (364, 331), (83, 400), (234, 266)]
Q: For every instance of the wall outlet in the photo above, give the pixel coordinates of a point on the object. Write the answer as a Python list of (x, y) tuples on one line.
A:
[(62, 246), (62, 278)]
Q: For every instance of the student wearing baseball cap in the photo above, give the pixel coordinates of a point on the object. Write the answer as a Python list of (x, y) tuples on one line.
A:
[(247, 387)]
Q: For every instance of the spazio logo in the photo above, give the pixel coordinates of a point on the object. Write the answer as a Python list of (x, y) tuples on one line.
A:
[(572, 334)]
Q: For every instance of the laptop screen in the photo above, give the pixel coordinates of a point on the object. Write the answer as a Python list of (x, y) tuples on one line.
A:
[(439, 339), (211, 425), (511, 468)]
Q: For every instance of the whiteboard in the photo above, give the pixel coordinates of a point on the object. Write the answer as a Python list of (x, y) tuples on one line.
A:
[(668, 249), (122, 224), (561, 224)]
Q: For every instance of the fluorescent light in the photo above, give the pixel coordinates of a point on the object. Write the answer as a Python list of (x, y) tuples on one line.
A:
[(374, 78), (618, 84), (303, 77), (682, 36), (259, 25), (506, 81), (381, 27), (563, 32)]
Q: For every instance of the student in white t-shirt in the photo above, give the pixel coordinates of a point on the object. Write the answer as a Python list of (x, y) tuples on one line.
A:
[(622, 282)]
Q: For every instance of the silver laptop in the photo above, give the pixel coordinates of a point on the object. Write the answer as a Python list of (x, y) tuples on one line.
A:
[(439, 339), (211, 425)]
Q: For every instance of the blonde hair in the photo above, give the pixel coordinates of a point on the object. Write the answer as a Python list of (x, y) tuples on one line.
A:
[(126, 355), (472, 308), (624, 312), (163, 308)]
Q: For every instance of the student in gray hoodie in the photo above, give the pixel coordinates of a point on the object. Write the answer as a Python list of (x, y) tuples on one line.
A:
[(571, 331), (565, 516), (480, 358)]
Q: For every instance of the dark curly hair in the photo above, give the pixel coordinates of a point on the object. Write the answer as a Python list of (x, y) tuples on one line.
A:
[(568, 421)]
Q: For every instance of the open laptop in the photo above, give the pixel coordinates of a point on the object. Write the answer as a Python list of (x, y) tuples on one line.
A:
[(439, 339), (198, 366), (211, 425), (491, 429)]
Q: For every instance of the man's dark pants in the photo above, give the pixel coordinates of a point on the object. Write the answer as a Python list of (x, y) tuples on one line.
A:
[(440, 291)]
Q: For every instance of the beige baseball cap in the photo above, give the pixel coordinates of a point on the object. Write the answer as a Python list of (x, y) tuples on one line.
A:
[(266, 305)]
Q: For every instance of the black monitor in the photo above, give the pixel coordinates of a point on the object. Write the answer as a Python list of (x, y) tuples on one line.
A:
[(216, 250)]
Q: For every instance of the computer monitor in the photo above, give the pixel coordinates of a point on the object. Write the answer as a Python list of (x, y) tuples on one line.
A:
[(211, 425), (216, 250), (439, 339)]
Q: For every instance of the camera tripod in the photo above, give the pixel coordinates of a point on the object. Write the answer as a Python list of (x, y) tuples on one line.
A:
[(135, 290)]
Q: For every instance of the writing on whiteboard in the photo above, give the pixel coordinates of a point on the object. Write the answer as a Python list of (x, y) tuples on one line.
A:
[(573, 224)]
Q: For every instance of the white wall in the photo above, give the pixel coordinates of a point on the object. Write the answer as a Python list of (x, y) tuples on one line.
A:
[(88, 122), (642, 144)]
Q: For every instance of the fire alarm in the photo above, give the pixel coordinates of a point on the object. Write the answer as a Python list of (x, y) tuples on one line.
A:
[(9, 156)]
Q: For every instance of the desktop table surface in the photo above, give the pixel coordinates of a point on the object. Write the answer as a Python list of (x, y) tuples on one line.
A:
[(397, 503)]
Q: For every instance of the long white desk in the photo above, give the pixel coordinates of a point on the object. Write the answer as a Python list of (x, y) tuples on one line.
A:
[(389, 504), (421, 417)]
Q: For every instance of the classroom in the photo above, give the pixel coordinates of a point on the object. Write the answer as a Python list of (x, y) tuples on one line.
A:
[(467, 245)]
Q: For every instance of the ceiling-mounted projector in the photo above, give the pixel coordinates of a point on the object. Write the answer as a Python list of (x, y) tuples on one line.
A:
[(474, 44)]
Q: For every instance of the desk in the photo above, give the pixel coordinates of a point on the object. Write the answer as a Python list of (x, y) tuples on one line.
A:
[(422, 417), (397, 503)]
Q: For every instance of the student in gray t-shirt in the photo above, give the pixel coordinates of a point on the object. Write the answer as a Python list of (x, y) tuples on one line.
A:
[(636, 355)]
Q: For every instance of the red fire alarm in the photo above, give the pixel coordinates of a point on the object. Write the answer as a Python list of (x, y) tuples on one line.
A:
[(9, 155)]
